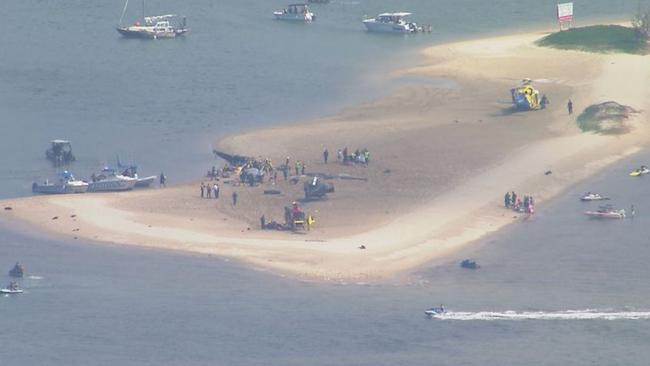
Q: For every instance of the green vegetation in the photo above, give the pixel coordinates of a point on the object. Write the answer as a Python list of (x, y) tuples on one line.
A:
[(606, 118), (598, 38)]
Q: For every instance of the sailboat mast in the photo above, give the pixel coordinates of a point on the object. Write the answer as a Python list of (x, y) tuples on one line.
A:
[(143, 11)]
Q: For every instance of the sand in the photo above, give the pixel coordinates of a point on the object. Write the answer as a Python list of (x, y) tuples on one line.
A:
[(441, 161)]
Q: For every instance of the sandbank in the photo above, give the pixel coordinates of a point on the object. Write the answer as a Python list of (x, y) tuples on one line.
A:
[(441, 160)]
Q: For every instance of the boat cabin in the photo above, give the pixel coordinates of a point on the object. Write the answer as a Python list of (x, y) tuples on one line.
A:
[(297, 9), (392, 17)]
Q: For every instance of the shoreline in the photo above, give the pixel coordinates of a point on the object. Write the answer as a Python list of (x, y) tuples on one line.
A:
[(423, 209)]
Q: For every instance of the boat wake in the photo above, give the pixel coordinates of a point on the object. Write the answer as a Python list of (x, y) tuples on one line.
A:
[(587, 314)]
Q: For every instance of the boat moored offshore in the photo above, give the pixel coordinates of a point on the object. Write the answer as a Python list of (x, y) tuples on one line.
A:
[(299, 12), (392, 23), (153, 27)]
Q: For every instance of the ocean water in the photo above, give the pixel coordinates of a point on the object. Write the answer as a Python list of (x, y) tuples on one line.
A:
[(66, 73), (558, 289)]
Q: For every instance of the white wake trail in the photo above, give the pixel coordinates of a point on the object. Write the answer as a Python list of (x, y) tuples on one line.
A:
[(587, 314)]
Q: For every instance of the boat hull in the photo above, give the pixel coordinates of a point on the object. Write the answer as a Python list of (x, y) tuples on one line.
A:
[(145, 182), (308, 17), (605, 215), (378, 27), (10, 292), (145, 33), (112, 185), (65, 188)]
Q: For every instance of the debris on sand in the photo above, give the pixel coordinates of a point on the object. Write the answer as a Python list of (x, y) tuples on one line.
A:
[(609, 118)]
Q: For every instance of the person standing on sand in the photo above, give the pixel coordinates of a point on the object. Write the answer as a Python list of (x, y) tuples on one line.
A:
[(163, 179), (202, 189), (234, 198), (302, 168), (339, 156), (208, 191), (345, 155), (297, 166), (506, 200), (569, 107), (326, 155), (285, 171), (215, 188)]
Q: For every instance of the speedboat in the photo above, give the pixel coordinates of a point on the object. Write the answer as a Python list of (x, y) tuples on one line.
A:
[(435, 311), (132, 171), (66, 183), (18, 271), (11, 289), (109, 181), (606, 212), (391, 23), (643, 170), (298, 12), (589, 196)]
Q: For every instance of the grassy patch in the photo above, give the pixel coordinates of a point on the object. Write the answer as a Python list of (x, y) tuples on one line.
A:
[(597, 38)]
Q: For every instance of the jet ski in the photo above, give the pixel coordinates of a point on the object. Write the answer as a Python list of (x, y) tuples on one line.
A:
[(593, 197), (643, 170), (435, 311)]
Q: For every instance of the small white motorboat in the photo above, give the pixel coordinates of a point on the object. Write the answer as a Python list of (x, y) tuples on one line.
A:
[(66, 183), (299, 12), (589, 196), (435, 311), (391, 23), (606, 212), (109, 181), (11, 289)]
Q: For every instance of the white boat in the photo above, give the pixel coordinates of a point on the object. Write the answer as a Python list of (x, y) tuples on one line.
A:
[(11, 289), (66, 183), (299, 12), (391, 23), (144, 182), (606, 212), (109, 181), (435, 311), (153, 27), (589, 196)]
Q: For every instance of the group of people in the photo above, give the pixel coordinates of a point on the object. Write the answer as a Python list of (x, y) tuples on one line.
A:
[(514, 202), (358, 157), (209, 190)]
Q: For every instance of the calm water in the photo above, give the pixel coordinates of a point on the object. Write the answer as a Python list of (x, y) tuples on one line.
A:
[(94, 304), (65, 73)]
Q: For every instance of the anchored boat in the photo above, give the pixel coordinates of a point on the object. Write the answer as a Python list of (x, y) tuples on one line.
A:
[(606, 212), (299, 12), (109, 181), (66, 183), (391, 23), (153, 27), (589, 196)]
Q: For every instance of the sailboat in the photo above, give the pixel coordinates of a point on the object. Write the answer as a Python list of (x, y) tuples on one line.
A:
[(153, 27)]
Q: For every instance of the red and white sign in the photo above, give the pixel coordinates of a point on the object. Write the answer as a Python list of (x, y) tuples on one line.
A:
[(565, 12)]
